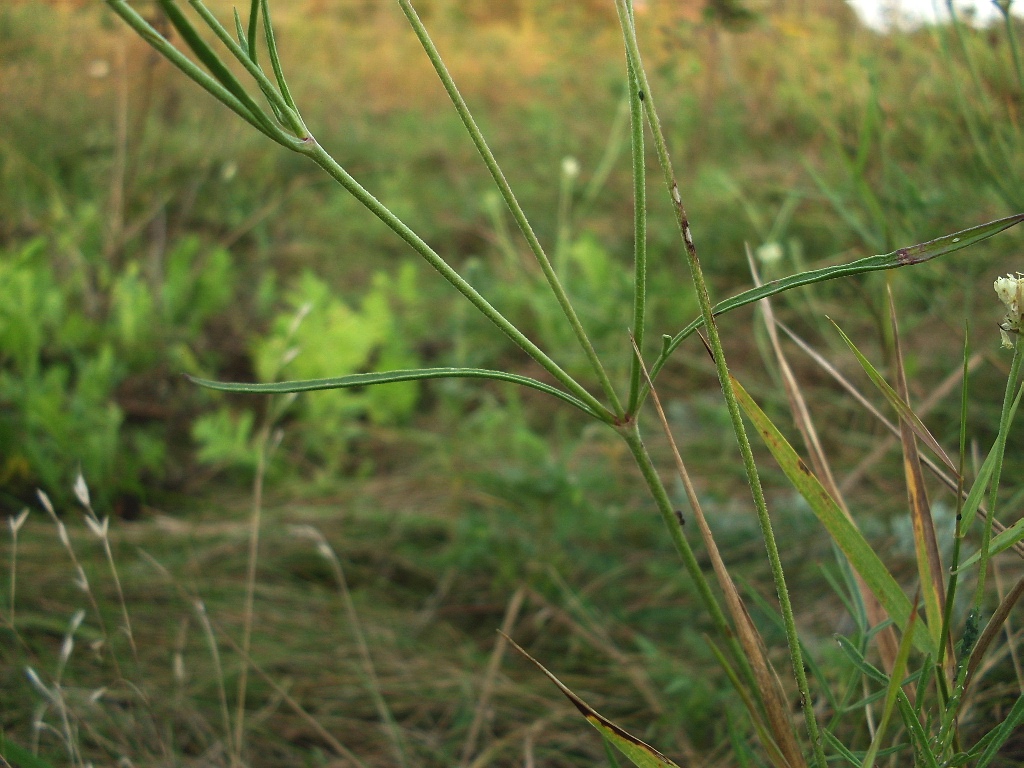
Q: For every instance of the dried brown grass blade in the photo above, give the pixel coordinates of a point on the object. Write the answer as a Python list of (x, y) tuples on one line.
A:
[(493, 664), (929, 563), (992, 629), (769, 686)]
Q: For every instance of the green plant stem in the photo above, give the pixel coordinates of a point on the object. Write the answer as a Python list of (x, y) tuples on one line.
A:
[(636, 118), (948, 729), (1004, 428), (631, 434), (513, 204), (715, 342), (319, 155), (958, 533), (1004, 8)]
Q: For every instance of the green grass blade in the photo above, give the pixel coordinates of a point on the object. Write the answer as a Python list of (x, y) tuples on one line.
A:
[(842, 530), (239, 32), (892, 691), (387, 377), (905, 412), (863, 666), (1003, 731), (640, 754), (20, 757), (922, 743), (1000, 543), (903, 257)]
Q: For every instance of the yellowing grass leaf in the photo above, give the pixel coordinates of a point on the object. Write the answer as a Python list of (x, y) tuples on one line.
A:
[(904, 410), (842, 530), (929, 563), (999, 543), (640, 754)]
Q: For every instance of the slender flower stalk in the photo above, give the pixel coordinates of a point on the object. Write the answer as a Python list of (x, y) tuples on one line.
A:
[(725, 381)]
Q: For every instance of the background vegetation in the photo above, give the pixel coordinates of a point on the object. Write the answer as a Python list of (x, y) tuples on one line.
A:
[(145, 233)]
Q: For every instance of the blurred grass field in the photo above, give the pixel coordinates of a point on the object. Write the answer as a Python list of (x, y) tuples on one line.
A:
[(144, 232)]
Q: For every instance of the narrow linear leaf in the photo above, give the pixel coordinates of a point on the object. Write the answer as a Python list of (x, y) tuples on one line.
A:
[(841, 749), (1003, 731), (905, 412), (923, 748), (992, 629), (842, 530), (639, 753), (863, 666), (971, 508), (275, 59), (210, 60), (20, 757), (999, 543), (915, 254), (386, 377), (892, 691), (254, 21)]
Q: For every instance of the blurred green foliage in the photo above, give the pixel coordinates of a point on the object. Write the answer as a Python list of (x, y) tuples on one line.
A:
[(145, 232)]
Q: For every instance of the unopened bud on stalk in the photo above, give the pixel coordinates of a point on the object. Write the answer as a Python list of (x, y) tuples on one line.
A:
[(1010, 290)]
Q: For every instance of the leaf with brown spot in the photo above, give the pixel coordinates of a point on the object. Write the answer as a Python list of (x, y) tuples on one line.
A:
[(639, 753)]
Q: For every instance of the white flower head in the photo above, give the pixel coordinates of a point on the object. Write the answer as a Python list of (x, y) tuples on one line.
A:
[(570, 167), (769, 253), (1010, 290)]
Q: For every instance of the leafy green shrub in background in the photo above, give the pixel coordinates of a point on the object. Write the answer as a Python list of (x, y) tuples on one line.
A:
[(316, 335), (65, 355)]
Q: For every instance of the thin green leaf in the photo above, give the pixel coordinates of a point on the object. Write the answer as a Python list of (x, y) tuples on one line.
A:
[(287, 115), (18, 756), (254, 22), (275, 59), (640, 754), (386, 377), (922, 743), (191, 70), (865, 667), (239, 32), (1003, 731), (903, 257), (842, 530), (905, 412), (841, 749), (1000, 543), (210, 60), (892, 691)]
